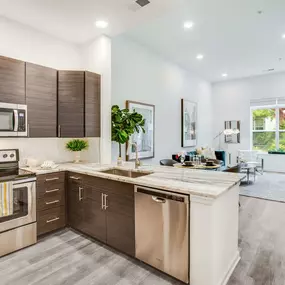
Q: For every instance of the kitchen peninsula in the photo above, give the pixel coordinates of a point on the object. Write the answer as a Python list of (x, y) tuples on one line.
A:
[(212, 213)]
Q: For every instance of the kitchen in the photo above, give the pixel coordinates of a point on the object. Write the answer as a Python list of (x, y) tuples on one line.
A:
[(43, 105)]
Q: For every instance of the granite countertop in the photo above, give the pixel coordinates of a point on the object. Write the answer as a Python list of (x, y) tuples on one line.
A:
[(186, 181)]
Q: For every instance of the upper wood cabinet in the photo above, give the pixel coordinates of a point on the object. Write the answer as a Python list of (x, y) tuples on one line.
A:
[(12, 81), (41, 98), (71, 104), (92, 104)]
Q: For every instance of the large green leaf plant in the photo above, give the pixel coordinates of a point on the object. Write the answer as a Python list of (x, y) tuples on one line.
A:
[(124, 124)]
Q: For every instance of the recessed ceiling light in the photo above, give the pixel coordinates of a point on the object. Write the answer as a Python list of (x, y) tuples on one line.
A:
[(225, 75), (101, 24), (200, 56), (188, 25), (283, 36)]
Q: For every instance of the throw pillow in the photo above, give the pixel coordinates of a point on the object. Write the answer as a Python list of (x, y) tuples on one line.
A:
[(199, 151), (209, 153)]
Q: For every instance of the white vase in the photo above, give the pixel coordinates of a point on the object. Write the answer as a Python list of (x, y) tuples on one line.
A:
[(77, 156), (119, 161)]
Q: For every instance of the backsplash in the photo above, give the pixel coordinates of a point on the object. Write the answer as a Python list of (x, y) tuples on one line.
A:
[(43, 149)]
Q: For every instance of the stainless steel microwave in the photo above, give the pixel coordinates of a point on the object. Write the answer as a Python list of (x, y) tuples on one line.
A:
[(13, 120)]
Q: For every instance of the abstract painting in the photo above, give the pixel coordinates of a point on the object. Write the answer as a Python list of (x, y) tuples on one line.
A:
[(145, 141), (189, 123)]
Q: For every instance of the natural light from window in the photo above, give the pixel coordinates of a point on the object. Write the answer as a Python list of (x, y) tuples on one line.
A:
[(268, 128)]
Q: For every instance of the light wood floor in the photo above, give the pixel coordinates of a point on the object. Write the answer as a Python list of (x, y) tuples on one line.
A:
[(67, 258), (262, 243)]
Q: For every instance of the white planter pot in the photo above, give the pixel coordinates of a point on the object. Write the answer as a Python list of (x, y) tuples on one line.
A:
[(119, 161), (77, 155)]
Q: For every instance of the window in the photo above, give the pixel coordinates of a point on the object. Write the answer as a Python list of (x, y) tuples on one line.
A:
[(268, 127)]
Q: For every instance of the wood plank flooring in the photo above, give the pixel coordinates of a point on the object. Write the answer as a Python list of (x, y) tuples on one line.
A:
[(67, 258), (262, 243)]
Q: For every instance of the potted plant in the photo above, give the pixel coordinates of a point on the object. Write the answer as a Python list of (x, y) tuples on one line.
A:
[(124, 124), (76, 146)]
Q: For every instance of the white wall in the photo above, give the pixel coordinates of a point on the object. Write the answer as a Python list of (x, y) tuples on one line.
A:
[(231, 101), (24, 43), (21, 42), (141, 75), (96, 57)]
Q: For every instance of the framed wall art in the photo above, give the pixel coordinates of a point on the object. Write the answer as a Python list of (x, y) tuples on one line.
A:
[(188, 123), (145, 141)]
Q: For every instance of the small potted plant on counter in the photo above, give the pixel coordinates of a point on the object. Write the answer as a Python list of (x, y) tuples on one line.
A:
[(124, 124), (76, 146)]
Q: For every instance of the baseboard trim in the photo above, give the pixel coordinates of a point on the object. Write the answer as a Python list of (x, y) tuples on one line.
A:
[(231, 269)]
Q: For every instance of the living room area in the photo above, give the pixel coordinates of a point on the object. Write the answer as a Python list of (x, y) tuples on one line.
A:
[(213, 87)]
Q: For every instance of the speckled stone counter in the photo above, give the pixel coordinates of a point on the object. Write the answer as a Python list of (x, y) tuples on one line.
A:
[(187, 181)]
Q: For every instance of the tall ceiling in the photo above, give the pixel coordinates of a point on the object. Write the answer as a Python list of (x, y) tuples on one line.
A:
[(231, 34), (233, 37), (73, 20)]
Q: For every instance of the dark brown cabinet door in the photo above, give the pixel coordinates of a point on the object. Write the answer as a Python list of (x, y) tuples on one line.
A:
[(94, 214), (92, 104), (121, 218), (75, 201), (71, 104), (12, 81), (41, 98)]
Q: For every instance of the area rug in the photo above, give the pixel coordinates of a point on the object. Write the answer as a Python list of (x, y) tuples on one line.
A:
[(269, 186)]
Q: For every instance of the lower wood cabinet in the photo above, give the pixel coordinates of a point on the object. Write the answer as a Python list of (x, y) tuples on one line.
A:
[(103, 209), (51, 210)]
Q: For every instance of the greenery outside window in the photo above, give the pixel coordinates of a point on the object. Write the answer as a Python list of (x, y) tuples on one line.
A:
[(268, 128)]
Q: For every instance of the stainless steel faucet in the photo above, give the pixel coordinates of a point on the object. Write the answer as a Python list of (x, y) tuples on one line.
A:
[(137, 162)]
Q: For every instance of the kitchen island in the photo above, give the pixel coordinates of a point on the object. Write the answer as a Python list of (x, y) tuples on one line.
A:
[(213, 212)]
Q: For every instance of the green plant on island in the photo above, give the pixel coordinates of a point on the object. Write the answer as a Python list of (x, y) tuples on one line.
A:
[(77, 145), (124, 124)]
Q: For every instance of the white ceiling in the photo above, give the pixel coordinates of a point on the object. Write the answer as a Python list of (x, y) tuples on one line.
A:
[(231, 35), (73, 20)]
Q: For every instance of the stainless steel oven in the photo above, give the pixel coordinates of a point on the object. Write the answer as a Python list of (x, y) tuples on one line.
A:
[(18, 227), (13, 120)]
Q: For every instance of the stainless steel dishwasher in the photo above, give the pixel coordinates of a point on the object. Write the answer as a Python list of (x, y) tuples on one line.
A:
[(162, 231)]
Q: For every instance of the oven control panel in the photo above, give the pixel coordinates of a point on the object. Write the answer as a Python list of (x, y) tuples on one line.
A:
[(9, 155)]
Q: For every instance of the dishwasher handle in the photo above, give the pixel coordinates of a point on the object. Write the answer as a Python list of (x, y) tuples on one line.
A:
[(158, 199), (161, 196)]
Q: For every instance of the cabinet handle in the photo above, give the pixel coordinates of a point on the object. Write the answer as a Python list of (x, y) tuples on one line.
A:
[(74, 178), (80, 198), (102, 201), (28, 130), (52, 202), (52, 220), (52, 179), (59, 131), (106, 206), (53, 190)]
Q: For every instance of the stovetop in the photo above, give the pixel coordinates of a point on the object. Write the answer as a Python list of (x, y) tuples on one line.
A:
[(15, 174)]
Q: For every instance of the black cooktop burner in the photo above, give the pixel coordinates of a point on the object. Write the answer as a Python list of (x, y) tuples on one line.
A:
[(14, 174)]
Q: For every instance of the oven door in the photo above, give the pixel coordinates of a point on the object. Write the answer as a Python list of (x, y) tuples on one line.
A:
[(24, 205), (8, 120)]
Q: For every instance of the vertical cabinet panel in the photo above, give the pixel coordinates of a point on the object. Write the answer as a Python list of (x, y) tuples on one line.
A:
[(75, 201), (71, 104), (41, 98), (12, 81), (94, 214), (92, 104)]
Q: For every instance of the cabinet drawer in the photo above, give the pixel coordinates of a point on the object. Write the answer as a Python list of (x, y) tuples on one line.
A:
[(51, 179), (51, 200), (50, 220), (49, 191)]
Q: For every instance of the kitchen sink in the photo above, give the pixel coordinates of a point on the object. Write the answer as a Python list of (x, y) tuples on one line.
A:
[(126, 173)]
